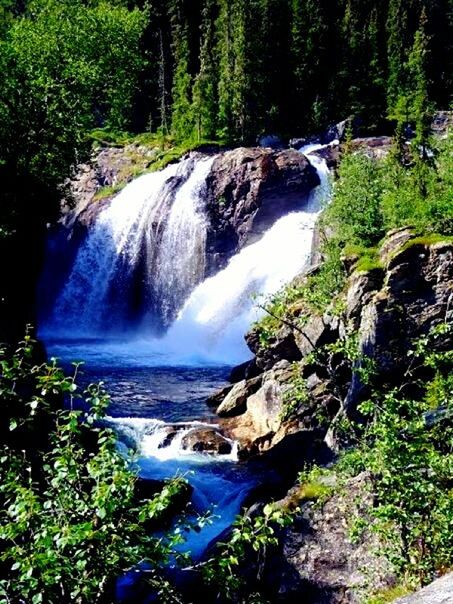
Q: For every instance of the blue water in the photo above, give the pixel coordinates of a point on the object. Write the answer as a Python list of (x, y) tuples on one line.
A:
[(141, 385)]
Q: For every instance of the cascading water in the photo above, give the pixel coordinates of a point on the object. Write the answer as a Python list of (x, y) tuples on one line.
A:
[(212, 324), (141, 260), (141, 263)]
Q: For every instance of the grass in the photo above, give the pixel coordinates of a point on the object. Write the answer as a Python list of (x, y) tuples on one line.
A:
[(388, 595), (109, 191), (366, 259), (165, 150), (428, 239)]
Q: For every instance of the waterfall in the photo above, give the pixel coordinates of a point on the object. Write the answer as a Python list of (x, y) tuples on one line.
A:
[(212, 324), (141, 259), (140, 273)]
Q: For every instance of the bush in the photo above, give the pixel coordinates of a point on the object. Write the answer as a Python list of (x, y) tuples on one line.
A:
[(355, 213), (70, 519)]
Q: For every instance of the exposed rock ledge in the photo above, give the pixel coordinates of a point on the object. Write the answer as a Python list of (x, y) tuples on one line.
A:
[(388, 307)]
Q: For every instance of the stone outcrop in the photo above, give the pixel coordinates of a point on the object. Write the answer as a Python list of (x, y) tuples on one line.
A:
[(248, 189), (388, 307), (328, 566), (108, 167)]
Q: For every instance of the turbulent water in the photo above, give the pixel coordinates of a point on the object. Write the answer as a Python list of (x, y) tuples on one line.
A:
[(141, 260), (135, 308)]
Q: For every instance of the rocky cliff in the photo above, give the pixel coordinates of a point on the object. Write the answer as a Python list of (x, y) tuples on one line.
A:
[(248, 189), (287, 404), (406, 295)]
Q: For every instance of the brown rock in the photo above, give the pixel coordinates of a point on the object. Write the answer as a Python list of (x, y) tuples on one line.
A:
[(235, 402), (215, 399), (206, 440), (248, 189)]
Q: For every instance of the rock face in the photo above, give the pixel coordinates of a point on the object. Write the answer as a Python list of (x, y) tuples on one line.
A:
[(327, 565), (108, 167), (388, 307), (248, 190), (439, 591)]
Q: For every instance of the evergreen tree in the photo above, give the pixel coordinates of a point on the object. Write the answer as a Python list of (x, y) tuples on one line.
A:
[(182, 118), (205, 99), (309, 63), (226, 68)]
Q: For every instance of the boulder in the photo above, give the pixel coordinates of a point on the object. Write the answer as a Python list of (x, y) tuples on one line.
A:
[(206, 440), (393, 243), (360, 289), (254, 429), (145, 489), (235, 402), (248, 189), (215, 399), (329, 566)]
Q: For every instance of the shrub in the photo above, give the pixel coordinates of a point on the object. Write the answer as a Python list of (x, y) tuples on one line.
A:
[(70, 519)]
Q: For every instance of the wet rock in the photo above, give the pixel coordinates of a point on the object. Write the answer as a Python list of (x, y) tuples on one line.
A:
[(215, 399), (206, 440), (145, 489), (248, 189), (235, 402)]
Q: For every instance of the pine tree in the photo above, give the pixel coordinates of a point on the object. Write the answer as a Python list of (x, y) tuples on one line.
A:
[(309, 62), (205, 99), (226, 68), (182, 118)]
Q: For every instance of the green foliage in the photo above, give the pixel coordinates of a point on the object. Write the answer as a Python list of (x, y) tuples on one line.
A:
[(420, 194), (70, 520), (69, 65), (315, 484), (388, 595), (182, 118), (250, 535), (407, 450), (295, 394), (354, 213)]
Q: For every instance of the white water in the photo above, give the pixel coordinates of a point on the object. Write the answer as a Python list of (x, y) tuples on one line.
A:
[(156, 228), (214, 490), (144, 251), (212, 324), (148, 437)]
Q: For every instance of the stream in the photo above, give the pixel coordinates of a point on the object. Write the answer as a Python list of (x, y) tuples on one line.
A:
[(160, 383)]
